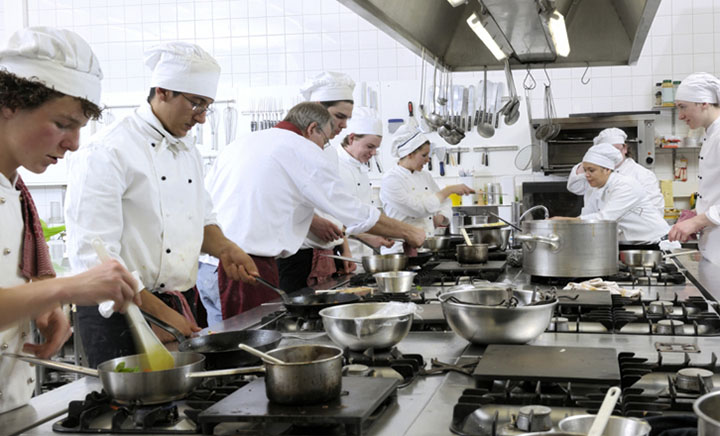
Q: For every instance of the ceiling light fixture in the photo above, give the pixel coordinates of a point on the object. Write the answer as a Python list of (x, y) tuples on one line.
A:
[(456, 3), (558, 32), (477, 26)]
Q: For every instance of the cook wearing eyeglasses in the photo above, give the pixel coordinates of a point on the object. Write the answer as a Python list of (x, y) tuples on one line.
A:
[(138, 185)]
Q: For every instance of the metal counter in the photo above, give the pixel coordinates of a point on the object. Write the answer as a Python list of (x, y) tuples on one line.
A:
[(424, 407)]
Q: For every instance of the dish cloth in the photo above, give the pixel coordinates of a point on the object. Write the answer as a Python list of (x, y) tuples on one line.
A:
[(601, 285)]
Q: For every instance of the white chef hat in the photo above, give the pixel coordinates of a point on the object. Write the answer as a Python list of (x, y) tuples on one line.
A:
[(611, 135), (604, 155), (699, 88), (407, 139), (57, 58), (184, 67), (328, 86), (365, 121)]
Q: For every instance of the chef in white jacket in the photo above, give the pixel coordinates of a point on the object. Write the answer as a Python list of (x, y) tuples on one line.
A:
[(266, 187), (698, 103), (577, 182), (619, 198), (408, 192), (49, 89), (138, 185)]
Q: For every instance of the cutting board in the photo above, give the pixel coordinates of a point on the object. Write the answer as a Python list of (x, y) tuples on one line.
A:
[(533, 363)]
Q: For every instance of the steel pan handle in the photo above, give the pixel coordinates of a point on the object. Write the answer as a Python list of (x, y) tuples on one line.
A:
[(224, 372), (53, 364), (552, 240)]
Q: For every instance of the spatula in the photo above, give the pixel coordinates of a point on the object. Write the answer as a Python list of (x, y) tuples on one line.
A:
[(606, 408), (155, 356)]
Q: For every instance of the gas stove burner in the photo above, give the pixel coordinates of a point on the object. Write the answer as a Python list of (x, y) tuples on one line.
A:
[(559, 324), (695, 380), (660, 307), (669, 327), (534, 418)]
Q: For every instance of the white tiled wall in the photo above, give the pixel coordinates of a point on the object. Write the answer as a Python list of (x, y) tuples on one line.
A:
[(282, 42), (277, 43)]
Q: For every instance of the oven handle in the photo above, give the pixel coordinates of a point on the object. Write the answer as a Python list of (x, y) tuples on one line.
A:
[(552, 240)]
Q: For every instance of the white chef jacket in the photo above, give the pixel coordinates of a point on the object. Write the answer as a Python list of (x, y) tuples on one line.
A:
[(578, 184), (141, 190), (708, 201), (624, 201), (267, 185), (17, 378), (311, 240), (355, 176), (409, 196)]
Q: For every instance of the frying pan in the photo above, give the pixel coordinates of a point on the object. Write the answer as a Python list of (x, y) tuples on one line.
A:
[(153, 387), (221, 349), (309, 306)]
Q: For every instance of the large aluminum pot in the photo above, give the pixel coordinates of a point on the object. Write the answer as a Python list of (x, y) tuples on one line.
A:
[(361, 326), (476, 253), (480, 315), (311, 374), (384, 262), (616, 425), (707, 408), (569, 248)]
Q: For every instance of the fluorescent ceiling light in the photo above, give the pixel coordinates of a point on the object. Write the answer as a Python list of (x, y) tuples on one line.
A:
[(482, 33), (558, 31), (456, 3)]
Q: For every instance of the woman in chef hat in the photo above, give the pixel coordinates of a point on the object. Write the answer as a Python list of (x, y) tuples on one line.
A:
[(409, 193), (577, 183), (697, 100), (49, 89), (618, 198)]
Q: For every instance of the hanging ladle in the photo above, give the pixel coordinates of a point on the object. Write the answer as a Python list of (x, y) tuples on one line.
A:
[(484, 128)]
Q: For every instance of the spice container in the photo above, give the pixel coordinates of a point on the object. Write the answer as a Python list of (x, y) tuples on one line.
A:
[(658, 94), (668, 99), (676, 83)]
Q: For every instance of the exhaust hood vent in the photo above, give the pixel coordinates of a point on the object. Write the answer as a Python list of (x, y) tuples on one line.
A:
[(601, 32)]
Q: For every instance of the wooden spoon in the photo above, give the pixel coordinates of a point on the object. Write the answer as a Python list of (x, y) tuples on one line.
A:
[(465, 235), (260, 354), (155, 356)]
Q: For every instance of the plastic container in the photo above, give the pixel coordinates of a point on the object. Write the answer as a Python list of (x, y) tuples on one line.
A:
[(675, 83), (658, 94)]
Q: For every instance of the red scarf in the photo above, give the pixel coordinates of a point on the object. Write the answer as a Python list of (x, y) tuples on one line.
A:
[(35, 262)]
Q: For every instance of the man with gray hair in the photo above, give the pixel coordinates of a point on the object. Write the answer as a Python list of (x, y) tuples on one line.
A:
[(266, 186)]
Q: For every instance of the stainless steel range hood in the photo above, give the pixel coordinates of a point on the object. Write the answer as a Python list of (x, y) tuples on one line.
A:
[(601, 32)]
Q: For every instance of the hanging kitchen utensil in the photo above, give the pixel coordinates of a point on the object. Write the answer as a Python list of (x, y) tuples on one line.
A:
[(471, 107), (435, 119), (485, 129), (231, 116), (155, 356), (512, 111), (199, 134)]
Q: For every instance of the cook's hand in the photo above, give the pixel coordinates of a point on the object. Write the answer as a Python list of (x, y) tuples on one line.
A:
[(325, 229), (377, 241), (440, 220), (238, 265), (55, 328), (107, 281), (459, 189), (416, 237), (682, 231), (178, 321)]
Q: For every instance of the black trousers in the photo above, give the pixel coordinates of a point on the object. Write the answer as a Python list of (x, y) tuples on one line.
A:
[(107, 338), (295, 270)]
